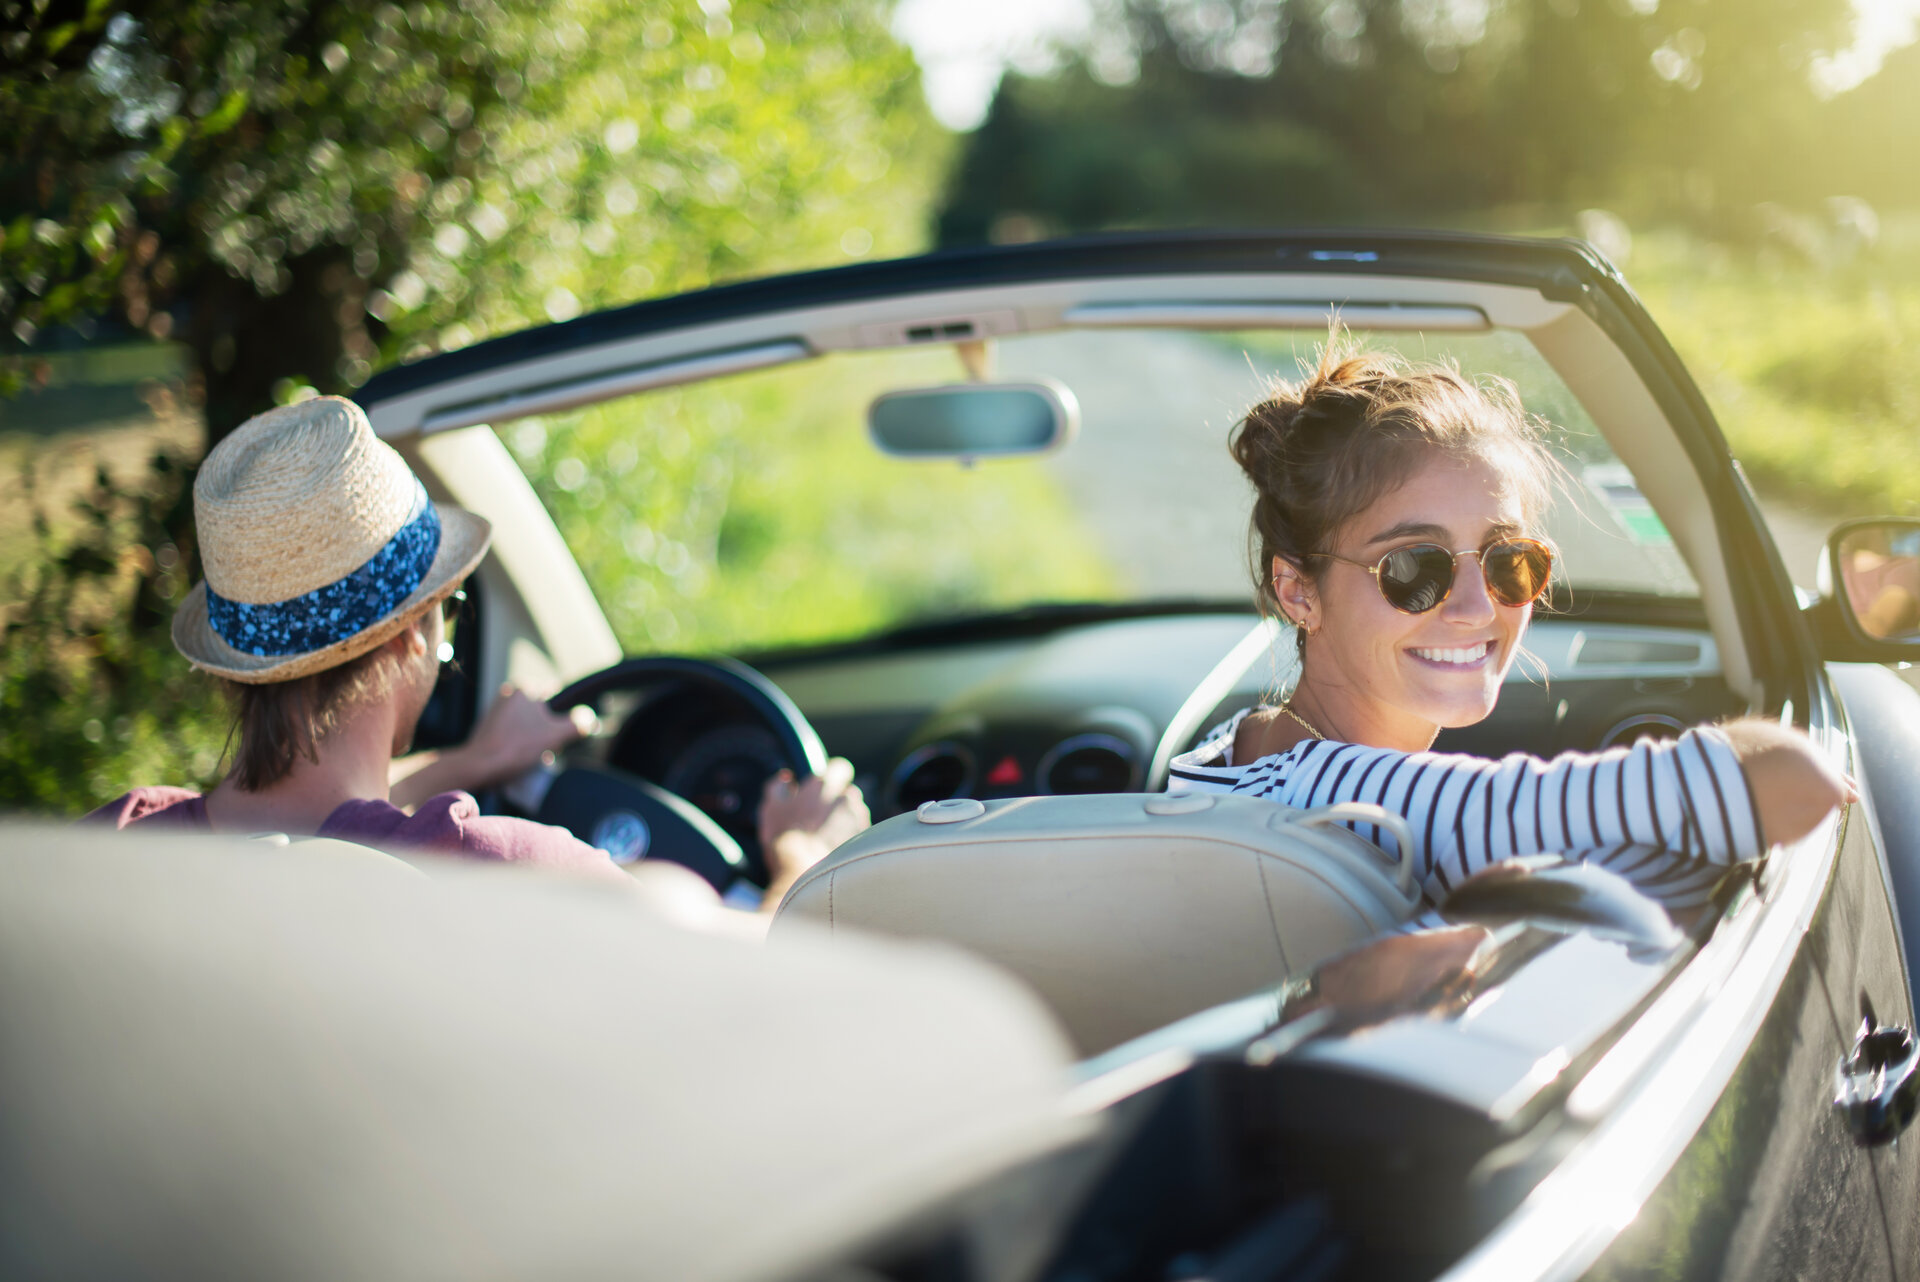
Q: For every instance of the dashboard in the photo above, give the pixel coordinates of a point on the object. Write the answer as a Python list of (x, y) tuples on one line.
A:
[(1104, 706)]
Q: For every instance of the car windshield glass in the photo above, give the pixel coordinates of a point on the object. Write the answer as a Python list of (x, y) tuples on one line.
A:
[(753, 512)]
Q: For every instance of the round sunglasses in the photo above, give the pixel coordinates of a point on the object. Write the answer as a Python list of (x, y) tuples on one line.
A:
[(1418, 577), (453, 608)]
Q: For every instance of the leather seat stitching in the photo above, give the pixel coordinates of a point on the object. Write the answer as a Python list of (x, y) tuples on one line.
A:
[(1260, 866)]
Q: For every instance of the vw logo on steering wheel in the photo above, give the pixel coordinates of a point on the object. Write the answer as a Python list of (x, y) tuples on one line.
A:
[(623, 835)]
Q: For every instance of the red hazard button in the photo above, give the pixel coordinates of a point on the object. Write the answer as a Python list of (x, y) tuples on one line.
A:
[(1005, 773)]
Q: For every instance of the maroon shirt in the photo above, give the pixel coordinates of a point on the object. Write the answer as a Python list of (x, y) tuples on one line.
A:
[(448, 824)]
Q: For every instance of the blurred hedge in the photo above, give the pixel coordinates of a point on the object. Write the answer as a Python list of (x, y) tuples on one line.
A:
[(93, 698)]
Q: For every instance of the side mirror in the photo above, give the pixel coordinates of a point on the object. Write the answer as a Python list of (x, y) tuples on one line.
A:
[(974, 420), (1869, 581)]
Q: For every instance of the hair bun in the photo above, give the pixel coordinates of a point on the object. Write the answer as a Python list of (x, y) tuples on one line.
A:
[(1336, 394)]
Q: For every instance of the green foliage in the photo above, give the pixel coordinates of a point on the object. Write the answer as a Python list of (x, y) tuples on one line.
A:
[(1078, 154), (1252, 113), (334, 185), (754, 513), (93, 698), (302, 190), (1807, 363)]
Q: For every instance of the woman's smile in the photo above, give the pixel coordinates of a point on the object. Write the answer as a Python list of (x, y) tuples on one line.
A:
[(1457, 658)]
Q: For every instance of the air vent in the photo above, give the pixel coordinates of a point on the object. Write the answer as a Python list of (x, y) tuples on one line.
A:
[(1595, 650), (933, 772), (1089, 763), (1645, 725)]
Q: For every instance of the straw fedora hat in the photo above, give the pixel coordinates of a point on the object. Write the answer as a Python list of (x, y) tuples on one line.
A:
[(319, 544)]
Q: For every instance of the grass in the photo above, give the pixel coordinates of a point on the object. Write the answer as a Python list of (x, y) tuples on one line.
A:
[(108, 407)]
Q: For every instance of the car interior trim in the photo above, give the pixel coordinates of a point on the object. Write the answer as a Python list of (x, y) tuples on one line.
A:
[(1779, 639), (1558, 270), (1603, 650), (1623, 733), (1051, 759), (1515, 1040), (1190, 720), (941, 748), (1646, 441), (540, 623), (1778, 658), (398, 401), (553, 398), (1278, 315), (947, 327)]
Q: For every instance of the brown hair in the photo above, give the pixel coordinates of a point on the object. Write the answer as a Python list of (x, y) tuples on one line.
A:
[(1321, 451), (277, 721)]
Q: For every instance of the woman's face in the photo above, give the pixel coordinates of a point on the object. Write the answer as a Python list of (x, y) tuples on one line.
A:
[(1401, 675)]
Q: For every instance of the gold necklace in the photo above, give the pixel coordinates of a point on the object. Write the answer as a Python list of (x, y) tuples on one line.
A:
[(1286, 706)]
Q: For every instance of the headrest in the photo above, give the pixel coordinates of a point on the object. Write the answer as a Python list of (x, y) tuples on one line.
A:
[(225, 1060), (1123, 911)]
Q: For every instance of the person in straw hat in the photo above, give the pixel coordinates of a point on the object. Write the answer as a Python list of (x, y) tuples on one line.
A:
[(327, 571)]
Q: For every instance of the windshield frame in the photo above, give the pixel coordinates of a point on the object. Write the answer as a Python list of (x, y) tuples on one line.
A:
[(1572, 304)]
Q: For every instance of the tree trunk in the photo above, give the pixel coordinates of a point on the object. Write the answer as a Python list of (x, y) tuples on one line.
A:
[(244, 344)]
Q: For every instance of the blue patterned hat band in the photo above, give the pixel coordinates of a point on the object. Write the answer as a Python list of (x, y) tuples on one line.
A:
[(341, 609)]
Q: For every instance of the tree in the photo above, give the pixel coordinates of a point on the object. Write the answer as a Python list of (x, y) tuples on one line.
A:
[(302, 190), (1268, 111)]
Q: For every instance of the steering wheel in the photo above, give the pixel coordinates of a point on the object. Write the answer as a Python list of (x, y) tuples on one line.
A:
[(630, 817)]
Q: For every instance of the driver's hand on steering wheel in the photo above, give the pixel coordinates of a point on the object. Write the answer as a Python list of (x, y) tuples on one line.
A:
[(801, 821), (518, 731)]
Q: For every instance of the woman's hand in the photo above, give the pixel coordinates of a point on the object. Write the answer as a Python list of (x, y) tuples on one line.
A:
[(801, 822), (1393, 974), (1794, 787)]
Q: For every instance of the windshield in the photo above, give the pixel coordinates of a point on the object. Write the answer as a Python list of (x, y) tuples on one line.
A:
[(753, 513)]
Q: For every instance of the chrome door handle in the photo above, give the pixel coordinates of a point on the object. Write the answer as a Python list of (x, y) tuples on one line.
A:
[(1877, 1086)]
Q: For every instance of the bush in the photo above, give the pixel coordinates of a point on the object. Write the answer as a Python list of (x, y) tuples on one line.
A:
[(1807, 362), (93, 697)]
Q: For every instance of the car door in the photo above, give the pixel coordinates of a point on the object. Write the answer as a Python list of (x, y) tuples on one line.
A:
[(1772, 1185)]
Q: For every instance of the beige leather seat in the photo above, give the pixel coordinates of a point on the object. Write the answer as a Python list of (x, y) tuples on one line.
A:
[(1124, 912), (221, 1064), (338, 850)]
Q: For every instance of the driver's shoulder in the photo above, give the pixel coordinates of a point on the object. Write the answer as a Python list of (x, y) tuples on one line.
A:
[(452, 823)]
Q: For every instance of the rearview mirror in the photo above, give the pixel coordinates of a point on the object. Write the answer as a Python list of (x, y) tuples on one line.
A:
[(974, 420), (1870, 587)]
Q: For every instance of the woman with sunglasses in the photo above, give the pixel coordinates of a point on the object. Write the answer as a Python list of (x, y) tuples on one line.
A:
[(1395, 527)]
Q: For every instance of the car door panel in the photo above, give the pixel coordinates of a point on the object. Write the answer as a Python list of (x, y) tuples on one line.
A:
[(1879, 886), (1770, 1187), (1861, 967)]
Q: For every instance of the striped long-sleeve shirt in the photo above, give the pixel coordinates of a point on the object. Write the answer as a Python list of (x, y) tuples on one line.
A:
[(1668, 816)]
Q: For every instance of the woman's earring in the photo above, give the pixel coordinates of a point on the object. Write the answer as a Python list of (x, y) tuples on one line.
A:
[(1277, 583)]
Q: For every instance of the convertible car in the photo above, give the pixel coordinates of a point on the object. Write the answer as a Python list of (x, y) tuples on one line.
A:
[(969, 520)]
